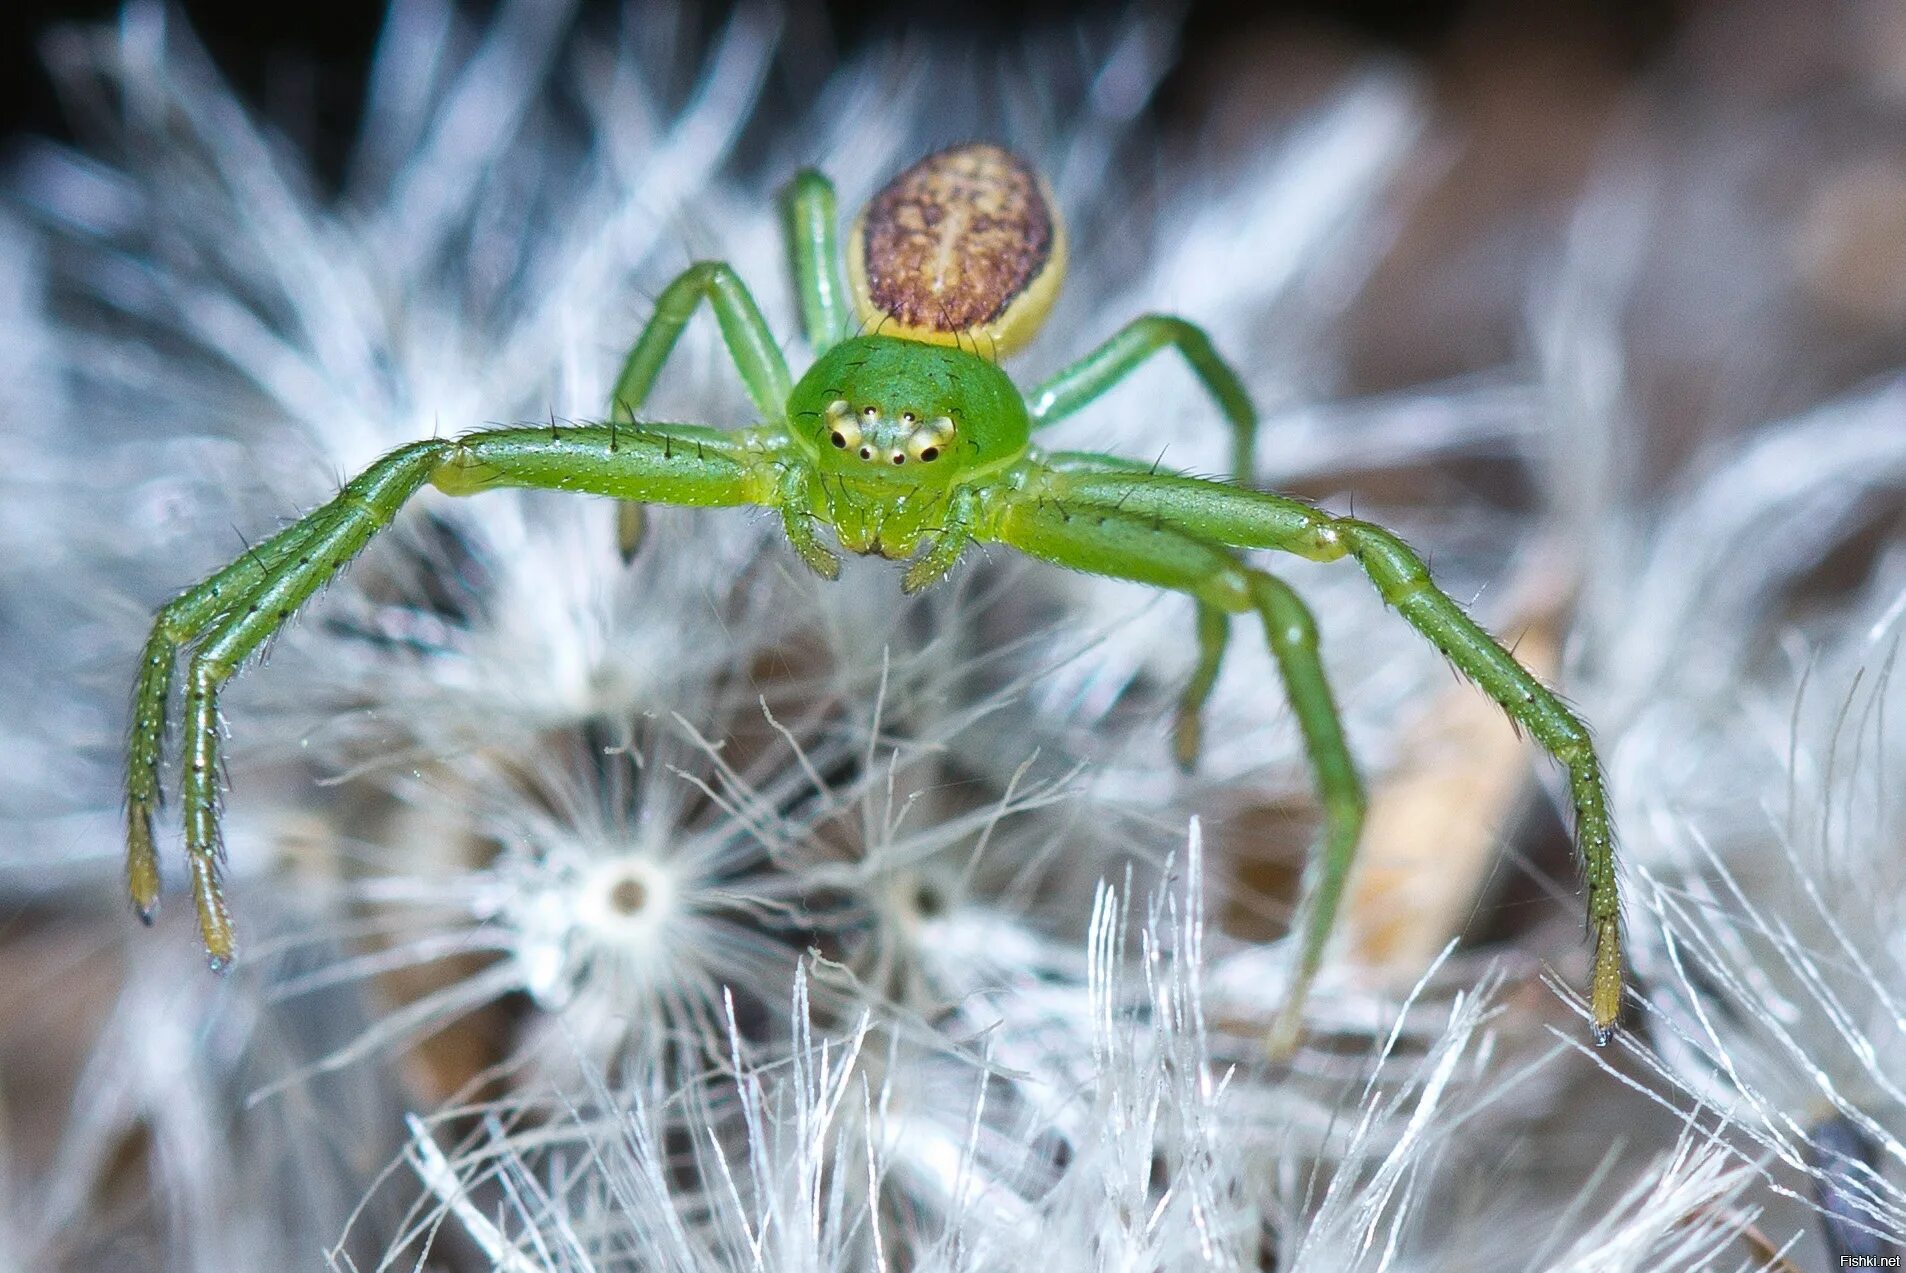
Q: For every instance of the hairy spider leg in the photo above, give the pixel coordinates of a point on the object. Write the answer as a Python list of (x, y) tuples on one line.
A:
[(233, 612), (764, 373), (1254, 519), (1089, 378), (178, 623), (809, 218), (1213, 626), (1108, 541)]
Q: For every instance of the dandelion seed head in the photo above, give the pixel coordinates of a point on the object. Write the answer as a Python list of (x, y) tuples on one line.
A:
[(615, 917)]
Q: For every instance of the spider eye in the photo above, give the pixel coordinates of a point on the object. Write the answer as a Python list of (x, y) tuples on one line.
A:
[(866, 453), (926, 442), (845, 432), (899, 458)]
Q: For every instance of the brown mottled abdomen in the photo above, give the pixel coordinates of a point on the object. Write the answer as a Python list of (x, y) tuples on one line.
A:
[(964, 244)]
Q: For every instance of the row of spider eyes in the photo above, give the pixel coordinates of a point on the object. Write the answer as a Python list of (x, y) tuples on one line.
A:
[(924, 443)]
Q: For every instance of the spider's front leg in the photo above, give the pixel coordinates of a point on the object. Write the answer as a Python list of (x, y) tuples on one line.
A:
[(228, 616), (178, 623), (1404, 581)]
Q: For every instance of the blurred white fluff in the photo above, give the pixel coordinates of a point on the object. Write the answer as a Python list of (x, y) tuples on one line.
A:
[(1740, 628), (1776, 906), (624, 895), (235, 1186), (870, 1142), (1684, 1214)]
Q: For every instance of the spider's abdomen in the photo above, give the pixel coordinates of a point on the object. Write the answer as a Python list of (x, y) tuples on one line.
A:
[(964, 247)]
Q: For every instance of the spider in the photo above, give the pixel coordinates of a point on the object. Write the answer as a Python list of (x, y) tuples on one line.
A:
[(905, 440)]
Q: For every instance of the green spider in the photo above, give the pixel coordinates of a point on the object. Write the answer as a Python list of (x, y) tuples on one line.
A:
[(906, 442)]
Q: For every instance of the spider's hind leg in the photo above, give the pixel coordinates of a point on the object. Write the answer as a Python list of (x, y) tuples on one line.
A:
[(1187, 735), (808, 222), (1103, 540), (1292, 635)]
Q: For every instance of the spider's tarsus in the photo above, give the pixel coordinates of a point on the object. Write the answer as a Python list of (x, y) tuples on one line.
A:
[(148, 915), (1187, 744), (631, 528), (219, 963), (1603, 1033)]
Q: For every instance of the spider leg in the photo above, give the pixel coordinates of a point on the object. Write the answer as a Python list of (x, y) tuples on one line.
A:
[(333, 535), (1405, 584), (1107, 541), (797, 520), (1090, 377), (955, 533), (235, 610), (179, 623), (1214, 631), (1187, 735), (807, 210), (1292, 634), (1255, 519), (764, 373)]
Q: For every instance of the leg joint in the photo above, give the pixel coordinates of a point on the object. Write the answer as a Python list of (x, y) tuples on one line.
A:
[(206, 673), (1169, 329), (702, 279), (1392, 565), (1230, 591)]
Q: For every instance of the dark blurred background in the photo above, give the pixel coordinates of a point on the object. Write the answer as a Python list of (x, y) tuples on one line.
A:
[(1529, 86), (303, 62)]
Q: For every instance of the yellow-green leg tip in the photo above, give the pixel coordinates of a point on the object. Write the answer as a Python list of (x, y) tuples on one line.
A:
[(215, 922), (1605, 988), (631, 526), (142, 865), (1187, 741)]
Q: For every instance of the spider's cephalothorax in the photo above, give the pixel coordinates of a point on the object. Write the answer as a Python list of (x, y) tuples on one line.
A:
[(894, 427), (905, 440), (881, 408)]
